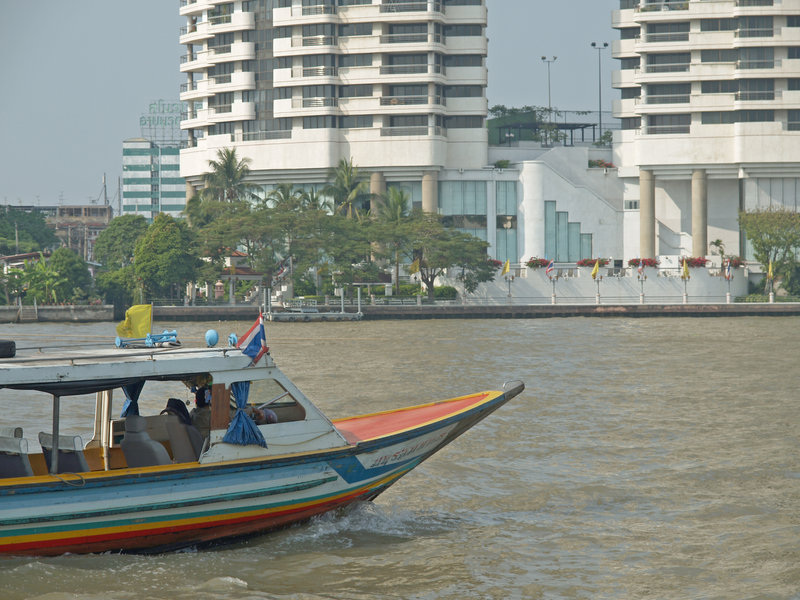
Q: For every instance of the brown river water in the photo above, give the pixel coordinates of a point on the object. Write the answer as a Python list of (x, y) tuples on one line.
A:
[(647, 458)]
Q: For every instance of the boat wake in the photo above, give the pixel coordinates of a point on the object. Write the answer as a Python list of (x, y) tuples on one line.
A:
[(364, 523)]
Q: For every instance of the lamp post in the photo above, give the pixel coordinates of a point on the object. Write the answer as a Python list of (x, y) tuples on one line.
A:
[(599, 46), (549, 102)]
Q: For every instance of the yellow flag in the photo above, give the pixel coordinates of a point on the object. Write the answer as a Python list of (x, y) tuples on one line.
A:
[(685, 273), (769, 271), (506, 268), (414, 268), (596, 269), (138, 319)]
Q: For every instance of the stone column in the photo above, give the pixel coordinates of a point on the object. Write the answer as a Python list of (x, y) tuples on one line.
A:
[(699, 212), (377, 187), (190, 190), (430, 192), (647, 214)]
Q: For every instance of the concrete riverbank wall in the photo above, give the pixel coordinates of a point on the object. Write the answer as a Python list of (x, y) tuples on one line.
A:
[(88, 314)]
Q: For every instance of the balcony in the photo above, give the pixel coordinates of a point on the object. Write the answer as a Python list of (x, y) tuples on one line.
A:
[(662, 5), (252, 136), (756, 96), (408, 69), (666, 129), (389, 6), (422, 130), (317, 40), (412, 100), (660, 38), (314, 72), (411, 38), (315, 102), (317, 9)]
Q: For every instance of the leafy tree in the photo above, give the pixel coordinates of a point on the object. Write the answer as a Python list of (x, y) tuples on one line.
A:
[(74, 272), (165, 256), (392, 226), (116, 243), (775, 236), (226, 181), (349, 190), (31, 229), (437, 248), (118, 287)]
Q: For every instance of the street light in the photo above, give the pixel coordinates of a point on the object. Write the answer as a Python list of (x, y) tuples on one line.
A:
[(599, 46), (549, 103)]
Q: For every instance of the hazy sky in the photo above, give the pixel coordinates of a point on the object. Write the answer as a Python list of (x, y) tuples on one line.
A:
[(75, 77)]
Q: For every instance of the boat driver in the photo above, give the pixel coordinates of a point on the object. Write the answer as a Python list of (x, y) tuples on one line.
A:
[(201, 413)]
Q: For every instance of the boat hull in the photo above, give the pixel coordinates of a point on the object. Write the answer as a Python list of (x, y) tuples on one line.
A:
[(168, 507)]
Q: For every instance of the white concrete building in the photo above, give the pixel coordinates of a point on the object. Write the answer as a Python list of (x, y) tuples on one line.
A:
[(710, 110), (398, 86)]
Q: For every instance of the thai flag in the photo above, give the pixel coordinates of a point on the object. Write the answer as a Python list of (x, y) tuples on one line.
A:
[(641, 266), (254, 342), (728, 270), (549, 268)]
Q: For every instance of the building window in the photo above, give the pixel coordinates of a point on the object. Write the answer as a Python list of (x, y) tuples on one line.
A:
[(719, 56), (668, 124), (463, 30), (355, 122), (355, 91), (668, 62), (629, 123), (718, 118), (755, 116), (719, 87), (464, 122), (668, 93), (719, 24), (320, 122), (667, 32), (793, 121), (463, 91), (755, 27), (355, 60), (756, 58), (463, 60), (355, 29), (629, 63)]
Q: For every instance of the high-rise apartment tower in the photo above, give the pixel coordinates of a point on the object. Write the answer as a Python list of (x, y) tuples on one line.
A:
[(710, 110), (398, 86)]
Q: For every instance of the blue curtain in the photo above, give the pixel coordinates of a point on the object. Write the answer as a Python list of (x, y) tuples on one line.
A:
[(131, 406), (242, 430)]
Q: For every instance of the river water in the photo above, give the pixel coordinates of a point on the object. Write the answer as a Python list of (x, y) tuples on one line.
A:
[(648, 458)]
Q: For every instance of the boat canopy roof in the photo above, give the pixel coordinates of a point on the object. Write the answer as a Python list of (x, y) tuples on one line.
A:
[(70, 374)]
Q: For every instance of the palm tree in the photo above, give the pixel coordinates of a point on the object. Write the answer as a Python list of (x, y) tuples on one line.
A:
[(349, 189), (313, 200), (393, 214), (285, 197), (226, 181)]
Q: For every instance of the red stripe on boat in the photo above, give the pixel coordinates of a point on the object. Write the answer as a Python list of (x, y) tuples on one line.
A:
[(358, 429)]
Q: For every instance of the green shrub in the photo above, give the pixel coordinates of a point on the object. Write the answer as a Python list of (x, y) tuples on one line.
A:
[(445, 292)]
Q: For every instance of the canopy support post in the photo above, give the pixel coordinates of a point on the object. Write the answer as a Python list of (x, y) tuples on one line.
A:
[(54, 450)]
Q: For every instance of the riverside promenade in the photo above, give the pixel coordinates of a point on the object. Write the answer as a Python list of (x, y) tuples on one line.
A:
[(495, 311)]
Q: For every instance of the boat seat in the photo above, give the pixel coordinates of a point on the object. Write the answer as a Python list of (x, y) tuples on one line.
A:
[(185, 440), (14, 460), (11, 432), (70, 452), (139, 448)]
